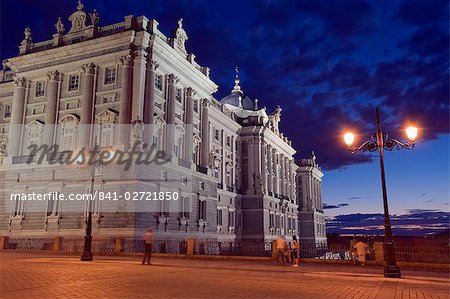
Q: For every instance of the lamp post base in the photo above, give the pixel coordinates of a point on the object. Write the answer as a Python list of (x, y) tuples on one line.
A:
[(86, 257), (392, 271)]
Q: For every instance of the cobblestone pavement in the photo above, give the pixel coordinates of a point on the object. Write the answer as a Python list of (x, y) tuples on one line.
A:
[(28, 275)]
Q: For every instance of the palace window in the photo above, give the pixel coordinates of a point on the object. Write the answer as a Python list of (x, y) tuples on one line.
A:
[(195, 106), (7, 111), (40, 88), (18, 207), (68, 139), (53, 205), (231, 218), (185, 207), (201, 209), (34, 136), (271, 220), (178, 95), (201, 185), (158, 81), (228, 141), (107, 135), (74, 82), (164, 208), (216, 134), (219, 217), (110, 75)]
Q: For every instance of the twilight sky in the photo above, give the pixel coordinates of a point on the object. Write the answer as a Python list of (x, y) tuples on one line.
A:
[(328, 64)]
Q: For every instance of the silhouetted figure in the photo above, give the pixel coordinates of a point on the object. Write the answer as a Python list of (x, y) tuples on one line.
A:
[(148, 246), (281, 247), (295, 248), (361, 249)]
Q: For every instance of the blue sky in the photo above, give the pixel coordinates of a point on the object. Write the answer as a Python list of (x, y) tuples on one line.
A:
[(328, 64)]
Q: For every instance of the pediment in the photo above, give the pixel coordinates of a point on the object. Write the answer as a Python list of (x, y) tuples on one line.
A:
[(70, 118), (107, 114), (35, 122)]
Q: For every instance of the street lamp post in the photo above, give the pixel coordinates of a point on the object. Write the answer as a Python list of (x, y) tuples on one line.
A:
[(95, 161), (87, 253), (378, 143)]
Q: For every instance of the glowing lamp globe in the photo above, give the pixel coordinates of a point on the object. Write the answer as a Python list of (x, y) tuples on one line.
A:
[(349, 138), (411, 132)]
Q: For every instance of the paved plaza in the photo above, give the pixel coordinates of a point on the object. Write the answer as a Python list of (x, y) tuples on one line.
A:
[(36, 275)]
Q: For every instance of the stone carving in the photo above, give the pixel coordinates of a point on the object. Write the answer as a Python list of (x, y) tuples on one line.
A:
[(138, 130), (197, 141), (259, 187), (214, 160), (206, 102), (151, 64), (20, 82), (26, 44), (53, 75), (27, 33), (88, 68), (94, 18), (180, 37), (3, 144), (78, 19), (126, 60), (59, 26)]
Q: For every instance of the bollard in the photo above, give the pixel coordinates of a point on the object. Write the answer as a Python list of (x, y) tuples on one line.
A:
[(274, 249), (190, 247), (118, 245), (4, 242), (56, 246), (379, 252)]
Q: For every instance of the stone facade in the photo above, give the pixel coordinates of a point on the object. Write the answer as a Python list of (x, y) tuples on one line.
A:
[(238, 162)]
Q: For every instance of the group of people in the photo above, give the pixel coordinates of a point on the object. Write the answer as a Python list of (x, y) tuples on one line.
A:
[(288, 252)]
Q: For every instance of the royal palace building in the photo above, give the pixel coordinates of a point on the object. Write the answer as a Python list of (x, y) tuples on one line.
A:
[(110, 86)]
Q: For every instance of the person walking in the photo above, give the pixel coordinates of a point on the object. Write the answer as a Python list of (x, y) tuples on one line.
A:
[(148, 246), (361, 249), (295, 248), (281, 246)]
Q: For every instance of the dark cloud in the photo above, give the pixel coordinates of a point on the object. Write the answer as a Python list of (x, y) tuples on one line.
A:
[(341, 205), (416, 222)]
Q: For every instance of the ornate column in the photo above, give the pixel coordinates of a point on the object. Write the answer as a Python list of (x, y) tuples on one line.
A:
[(50, 107), (251, 157), (139, 72), (125, 101), (262, 168), (275, 172), (87, 104), (292, 178), (16, 122), (269, 168), (188, 120), (204, 157), (286, 176), (170, 113), (282, 185), (149, 100)]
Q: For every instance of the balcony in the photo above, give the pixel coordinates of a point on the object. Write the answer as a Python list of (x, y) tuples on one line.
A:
[(202, 169)]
